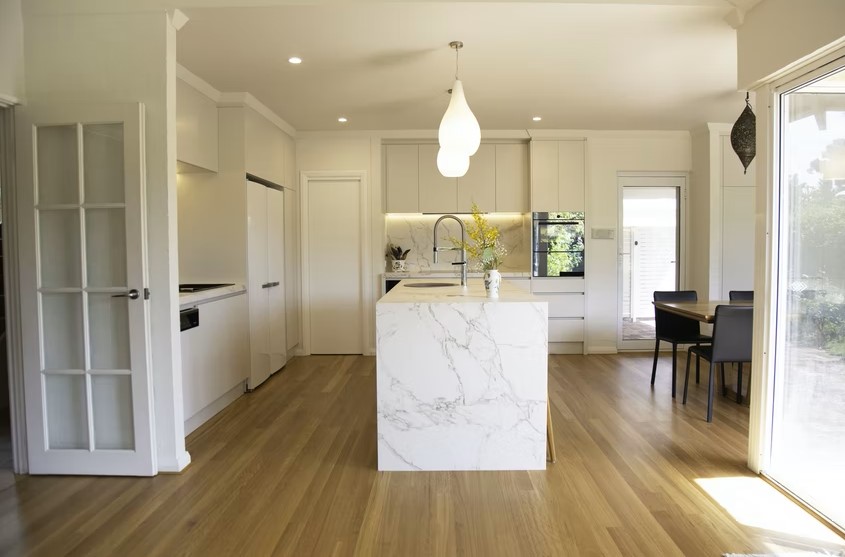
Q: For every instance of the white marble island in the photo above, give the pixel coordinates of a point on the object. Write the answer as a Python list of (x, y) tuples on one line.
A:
[(461, 379)]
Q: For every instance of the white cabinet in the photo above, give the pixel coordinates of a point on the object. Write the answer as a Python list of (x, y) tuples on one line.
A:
[(497, 180), (437, 194), (558, 175), (196, 129), (401, 176), (265, 148), (266, 281), (292, 258), (478, 185), (512, 181), (566, 312)]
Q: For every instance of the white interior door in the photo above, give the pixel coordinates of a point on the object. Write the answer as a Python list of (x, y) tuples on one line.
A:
[(83, 302), (276, 277), (334, 266)]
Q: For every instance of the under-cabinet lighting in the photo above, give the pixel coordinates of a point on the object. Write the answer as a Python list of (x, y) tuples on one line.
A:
[(537, 118), (342, 120)]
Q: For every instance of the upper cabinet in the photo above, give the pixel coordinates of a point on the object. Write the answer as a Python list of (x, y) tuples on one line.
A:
[(196, 129), (497, 180), (266, 147), (557, 175)]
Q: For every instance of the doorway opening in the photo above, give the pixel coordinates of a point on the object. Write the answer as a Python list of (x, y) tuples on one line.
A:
[(650, 251)]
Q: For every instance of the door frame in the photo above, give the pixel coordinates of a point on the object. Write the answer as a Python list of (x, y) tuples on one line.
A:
[(650, 179), (366, 264), (11, 266)]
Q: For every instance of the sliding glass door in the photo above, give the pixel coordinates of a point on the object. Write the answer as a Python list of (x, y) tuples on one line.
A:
[(808, 415)]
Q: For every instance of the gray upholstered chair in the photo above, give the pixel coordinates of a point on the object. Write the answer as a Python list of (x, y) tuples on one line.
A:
[(675, 329)]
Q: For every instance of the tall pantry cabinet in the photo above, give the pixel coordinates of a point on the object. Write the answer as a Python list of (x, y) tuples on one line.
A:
[(266, 281)]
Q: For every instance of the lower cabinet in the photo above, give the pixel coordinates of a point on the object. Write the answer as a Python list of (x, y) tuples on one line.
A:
[(266, 282), (566, 312)]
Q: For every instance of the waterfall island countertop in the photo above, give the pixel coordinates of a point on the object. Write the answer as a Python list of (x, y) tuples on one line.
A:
[(461, 378)]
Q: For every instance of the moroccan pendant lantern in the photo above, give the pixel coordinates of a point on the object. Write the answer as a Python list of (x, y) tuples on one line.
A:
[(744, 136)]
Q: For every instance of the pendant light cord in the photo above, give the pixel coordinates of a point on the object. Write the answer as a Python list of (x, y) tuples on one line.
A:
[(457, 54)]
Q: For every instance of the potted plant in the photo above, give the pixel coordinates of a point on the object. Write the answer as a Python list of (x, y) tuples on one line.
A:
[(397, 257), (484, 247)]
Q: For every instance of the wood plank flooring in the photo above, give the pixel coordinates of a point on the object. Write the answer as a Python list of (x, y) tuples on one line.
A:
[(291, 470)]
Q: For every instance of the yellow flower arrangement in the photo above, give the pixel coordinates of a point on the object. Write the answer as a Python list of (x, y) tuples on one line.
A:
[(483, 245)]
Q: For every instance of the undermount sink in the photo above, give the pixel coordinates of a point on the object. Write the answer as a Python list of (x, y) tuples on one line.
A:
[(428, 284)]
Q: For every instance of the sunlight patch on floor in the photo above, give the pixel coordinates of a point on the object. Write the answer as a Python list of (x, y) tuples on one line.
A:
[(753, 502)]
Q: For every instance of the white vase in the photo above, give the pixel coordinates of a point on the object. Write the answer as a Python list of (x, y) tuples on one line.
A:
[(492, 280)]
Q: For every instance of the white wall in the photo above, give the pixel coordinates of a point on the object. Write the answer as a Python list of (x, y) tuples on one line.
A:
[(777, 34), (11, 52), (608, 154), (129, 58), (353, 152), (699, 215)]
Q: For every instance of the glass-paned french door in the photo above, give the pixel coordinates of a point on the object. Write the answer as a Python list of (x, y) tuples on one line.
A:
[(83, 282), (807, 445)]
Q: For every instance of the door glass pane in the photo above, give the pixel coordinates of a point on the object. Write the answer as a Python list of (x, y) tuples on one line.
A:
[(649, 254), (103, 163), (62, 325), (59, 248), (105, 247), (109, 322), (58, 165), (67, 421), (808, 430), (112, 408)]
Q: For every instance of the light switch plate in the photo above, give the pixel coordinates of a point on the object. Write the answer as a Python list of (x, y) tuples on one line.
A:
[(603, 233)]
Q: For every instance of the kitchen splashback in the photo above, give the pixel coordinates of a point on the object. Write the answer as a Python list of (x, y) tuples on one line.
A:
[(416, 232)]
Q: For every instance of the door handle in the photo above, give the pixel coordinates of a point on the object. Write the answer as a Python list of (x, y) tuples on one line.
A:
[(270, 284), (132, 295)]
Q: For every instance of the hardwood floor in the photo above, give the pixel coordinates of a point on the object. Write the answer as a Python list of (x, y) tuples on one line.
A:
[(290, 470)]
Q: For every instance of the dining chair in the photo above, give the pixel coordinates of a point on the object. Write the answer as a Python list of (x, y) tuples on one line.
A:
[(732, 334), (739, 296), (675, 329)]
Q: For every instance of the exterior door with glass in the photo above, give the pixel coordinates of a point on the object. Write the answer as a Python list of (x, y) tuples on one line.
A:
[(83, 290)]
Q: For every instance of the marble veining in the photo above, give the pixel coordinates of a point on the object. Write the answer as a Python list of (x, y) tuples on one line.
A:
[(416, 232), (461, 380)]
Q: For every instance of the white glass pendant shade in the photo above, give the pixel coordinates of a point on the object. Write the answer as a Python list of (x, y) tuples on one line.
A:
[(451, 164), (459, 130)]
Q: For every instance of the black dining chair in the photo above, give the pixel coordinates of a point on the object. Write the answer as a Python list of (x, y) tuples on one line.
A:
[(675, 329), (732, 334), (741, 295)]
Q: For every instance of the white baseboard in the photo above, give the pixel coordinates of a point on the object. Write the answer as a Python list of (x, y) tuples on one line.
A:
[(212, 409), (182, 461), (601, 350)]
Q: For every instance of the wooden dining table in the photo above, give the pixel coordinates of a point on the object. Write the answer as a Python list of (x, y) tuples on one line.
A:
[(704, 311)]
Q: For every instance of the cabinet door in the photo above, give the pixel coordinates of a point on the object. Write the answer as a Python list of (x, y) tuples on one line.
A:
[(512, 184), (737, 239), (259, 338), (265, 148), (401, 176), (544, 176), (479, 183), (278, 342), (571, 175), (292, 267), (196, 127), (437, 193)]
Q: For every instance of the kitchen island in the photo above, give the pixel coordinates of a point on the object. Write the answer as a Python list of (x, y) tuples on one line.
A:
[(461, 378)]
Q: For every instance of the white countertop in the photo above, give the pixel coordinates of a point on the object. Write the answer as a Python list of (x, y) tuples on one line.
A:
[(473, 293), (441, 274), (189, 299)]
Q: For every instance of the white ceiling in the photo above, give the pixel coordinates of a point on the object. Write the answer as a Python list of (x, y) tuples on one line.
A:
[(388, 66)]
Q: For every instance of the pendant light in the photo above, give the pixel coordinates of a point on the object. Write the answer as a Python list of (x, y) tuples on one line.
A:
[(744, 136), (459, 134)]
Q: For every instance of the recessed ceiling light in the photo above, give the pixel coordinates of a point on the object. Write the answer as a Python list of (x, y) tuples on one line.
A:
[(537, 118), (295, 60), (342, 120)]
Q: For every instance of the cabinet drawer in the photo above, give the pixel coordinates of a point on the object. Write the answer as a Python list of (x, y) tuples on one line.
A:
[(564, 284), (566, 330), (564, 305)]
